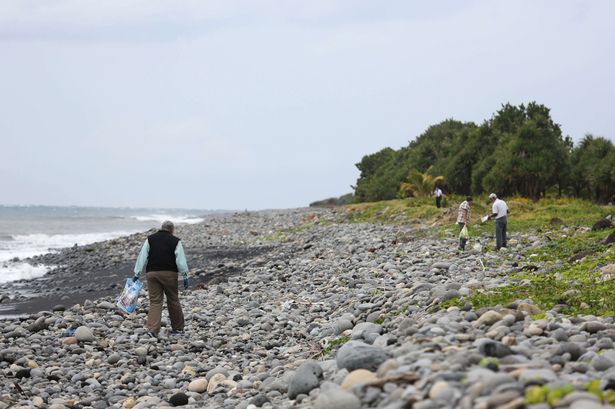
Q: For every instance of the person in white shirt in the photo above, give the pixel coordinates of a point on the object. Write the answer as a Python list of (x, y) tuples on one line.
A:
[(438, 194), (499, 212)]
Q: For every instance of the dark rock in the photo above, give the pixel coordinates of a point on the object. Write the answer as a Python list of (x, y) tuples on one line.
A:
[(259, 400), (579, 256), (179, 399), (602, 224), (306, 378), (593, 326), (38, 325), (23, 373), (8, 356), (556, 221), (609, 239), (59, 307), (560, 335), (358, 355), (571, 348), (494, 349)]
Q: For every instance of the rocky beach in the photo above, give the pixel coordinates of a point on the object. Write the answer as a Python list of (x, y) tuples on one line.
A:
[(302, 309)]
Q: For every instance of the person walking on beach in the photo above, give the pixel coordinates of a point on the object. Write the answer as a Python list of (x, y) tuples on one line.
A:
[(499, 212), (163, 257), (463, 219), (438, 194)]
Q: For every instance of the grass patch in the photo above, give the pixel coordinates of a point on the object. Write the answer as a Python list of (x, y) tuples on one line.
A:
[(391, 211), (566, 279), (401, 311), (525, 214), (553, 395), (334, 343)]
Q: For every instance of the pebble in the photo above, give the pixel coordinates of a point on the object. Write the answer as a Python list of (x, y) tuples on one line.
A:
[(198, 385), (358, 377), (84, 334), (306, 378), (335, 397), (358, 355), (328, 315), (488, 318)]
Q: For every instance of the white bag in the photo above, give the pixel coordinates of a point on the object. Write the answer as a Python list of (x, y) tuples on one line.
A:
[(127, 301)]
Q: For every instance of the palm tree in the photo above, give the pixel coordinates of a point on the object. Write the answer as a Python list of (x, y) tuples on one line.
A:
[(420, 184)]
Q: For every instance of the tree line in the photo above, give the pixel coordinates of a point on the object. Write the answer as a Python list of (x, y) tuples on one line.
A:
[(520, 150)]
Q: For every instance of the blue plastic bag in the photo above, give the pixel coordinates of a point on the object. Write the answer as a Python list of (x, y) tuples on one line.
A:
[(127, 300)]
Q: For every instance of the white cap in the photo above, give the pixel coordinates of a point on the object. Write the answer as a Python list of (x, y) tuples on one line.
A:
[(493, 196)]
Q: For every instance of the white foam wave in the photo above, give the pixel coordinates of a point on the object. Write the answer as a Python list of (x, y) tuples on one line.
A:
[(159, 218), (17, 271), (28, 245)]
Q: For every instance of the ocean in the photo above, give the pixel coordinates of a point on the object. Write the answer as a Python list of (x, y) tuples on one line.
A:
[(26, 231)]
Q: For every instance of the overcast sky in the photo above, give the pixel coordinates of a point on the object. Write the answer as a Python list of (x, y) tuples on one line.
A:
[(269, 104)]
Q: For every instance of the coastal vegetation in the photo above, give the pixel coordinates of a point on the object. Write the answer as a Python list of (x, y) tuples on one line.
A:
[(519, 151)]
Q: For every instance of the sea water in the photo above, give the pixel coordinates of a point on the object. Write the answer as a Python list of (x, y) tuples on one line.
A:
[(26, 231)]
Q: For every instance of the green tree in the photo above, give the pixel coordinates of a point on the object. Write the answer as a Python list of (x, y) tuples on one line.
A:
[(519, 150), (381, 174), (436, 145), (475, 144), (421, 184), (592, 169), (529, 159)]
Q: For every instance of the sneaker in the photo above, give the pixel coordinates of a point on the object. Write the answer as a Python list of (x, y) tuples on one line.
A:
[(177, 333), (152, 334)]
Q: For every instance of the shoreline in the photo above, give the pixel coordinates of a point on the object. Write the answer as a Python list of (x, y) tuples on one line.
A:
[(97, 270), (304, 309)]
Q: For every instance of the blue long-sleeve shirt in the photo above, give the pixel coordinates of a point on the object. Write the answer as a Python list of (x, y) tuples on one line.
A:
[(180, 259)]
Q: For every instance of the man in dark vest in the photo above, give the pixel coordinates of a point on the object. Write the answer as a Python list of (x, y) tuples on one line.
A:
[(163, 257)]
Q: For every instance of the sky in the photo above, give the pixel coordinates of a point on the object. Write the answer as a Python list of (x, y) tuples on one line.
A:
[(270, 104)]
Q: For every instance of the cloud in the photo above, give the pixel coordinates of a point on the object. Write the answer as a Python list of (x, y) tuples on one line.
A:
[(271, 103)]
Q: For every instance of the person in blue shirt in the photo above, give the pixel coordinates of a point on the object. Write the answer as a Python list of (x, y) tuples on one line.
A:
[(163, 257)]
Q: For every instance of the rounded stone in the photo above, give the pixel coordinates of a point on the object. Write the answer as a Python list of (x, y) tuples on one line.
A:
[(307, 377), (488, 318), (84, 334), (113, 358), (358, 377), (198, 385), (358, 355), (179, 399), (337, 398), (214, 382)]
